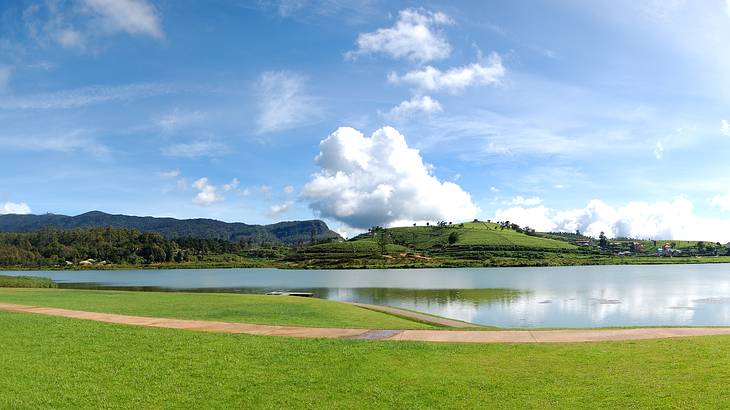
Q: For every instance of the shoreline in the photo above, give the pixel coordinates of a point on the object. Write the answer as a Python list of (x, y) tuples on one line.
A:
[(614, 261)]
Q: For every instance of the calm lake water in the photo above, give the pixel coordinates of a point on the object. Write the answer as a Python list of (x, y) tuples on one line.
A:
[(584, 296)]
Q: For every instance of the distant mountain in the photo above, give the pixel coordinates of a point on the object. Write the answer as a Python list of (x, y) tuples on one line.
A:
[(290, 232)]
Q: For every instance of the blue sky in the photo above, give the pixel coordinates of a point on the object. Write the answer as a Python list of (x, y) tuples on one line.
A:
[(561, 115)]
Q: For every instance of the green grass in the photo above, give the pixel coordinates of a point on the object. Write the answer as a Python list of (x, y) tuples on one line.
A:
[(25, 282), (52, 362), (262, 309)]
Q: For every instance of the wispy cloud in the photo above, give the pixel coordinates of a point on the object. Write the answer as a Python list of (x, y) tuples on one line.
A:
[(170, 174), (76, 140), (78, 25), (196, 149), (80, 97), (178, 119), (130, 16), (5, 72), (284, 102)]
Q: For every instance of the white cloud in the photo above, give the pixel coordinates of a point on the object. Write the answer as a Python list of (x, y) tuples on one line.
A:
[(131, 16), (659, 150), (455, 79), (20, 208), (278, 209), (84, 96), (71, 141), (520, 200), (170, 174), (380, 181), (177, 119), (231, 185), (70, 39), (721, 201), (725, 126), (196, 149), (727, 7), (80, 24), (415, 105), (414, 36), (660, 220), (208, 193), (288, 189), (5, 72), (283, 102), (494, 189)]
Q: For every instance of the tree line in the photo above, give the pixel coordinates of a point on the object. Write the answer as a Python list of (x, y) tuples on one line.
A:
[(49, 247)]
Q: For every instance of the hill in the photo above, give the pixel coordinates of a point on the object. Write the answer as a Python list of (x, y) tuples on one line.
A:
[(480, 243), (290, 232)]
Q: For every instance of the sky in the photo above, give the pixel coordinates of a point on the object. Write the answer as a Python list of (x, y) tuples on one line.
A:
[(609, 115)]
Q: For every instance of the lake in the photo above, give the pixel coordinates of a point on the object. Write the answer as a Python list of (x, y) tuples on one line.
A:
[(577, 296)]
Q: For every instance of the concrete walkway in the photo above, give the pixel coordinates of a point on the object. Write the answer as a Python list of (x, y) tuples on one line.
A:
[(454, 336), (421, 317)]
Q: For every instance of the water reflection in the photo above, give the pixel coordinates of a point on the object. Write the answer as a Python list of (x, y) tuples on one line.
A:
[(594, 296)]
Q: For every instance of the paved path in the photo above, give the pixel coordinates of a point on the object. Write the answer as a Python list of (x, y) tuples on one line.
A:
[(460, 336), (421, 317)]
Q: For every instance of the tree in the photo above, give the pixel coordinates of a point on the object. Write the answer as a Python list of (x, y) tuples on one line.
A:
[(383, 238), (602, 240), (701, 247), (453, 238)]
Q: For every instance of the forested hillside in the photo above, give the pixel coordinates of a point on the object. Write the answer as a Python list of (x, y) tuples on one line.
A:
[(292, 232)]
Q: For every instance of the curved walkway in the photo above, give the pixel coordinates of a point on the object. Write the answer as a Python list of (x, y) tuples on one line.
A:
[(456, 336)]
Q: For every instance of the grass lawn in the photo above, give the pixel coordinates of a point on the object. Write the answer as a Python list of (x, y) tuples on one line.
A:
[(52, 362), (25, 282), (275, 310)]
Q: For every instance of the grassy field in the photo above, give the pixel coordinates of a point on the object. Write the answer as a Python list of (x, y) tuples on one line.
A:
[(25, 282), (262, 309), (81, 364)]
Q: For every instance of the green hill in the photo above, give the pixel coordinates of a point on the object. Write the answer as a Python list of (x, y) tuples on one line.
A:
[(471, 234), (429, 245)]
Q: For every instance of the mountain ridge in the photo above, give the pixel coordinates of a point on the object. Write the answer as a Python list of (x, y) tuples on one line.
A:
[(285, 232)]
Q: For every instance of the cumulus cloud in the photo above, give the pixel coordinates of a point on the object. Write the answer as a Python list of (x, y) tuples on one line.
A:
[(20, 208), (209, 193), (379, 180), (195, 149), (674, 219), (415, 105), (725, 126), (278, 209), (415, 36), (454, 79), (284, 103)]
